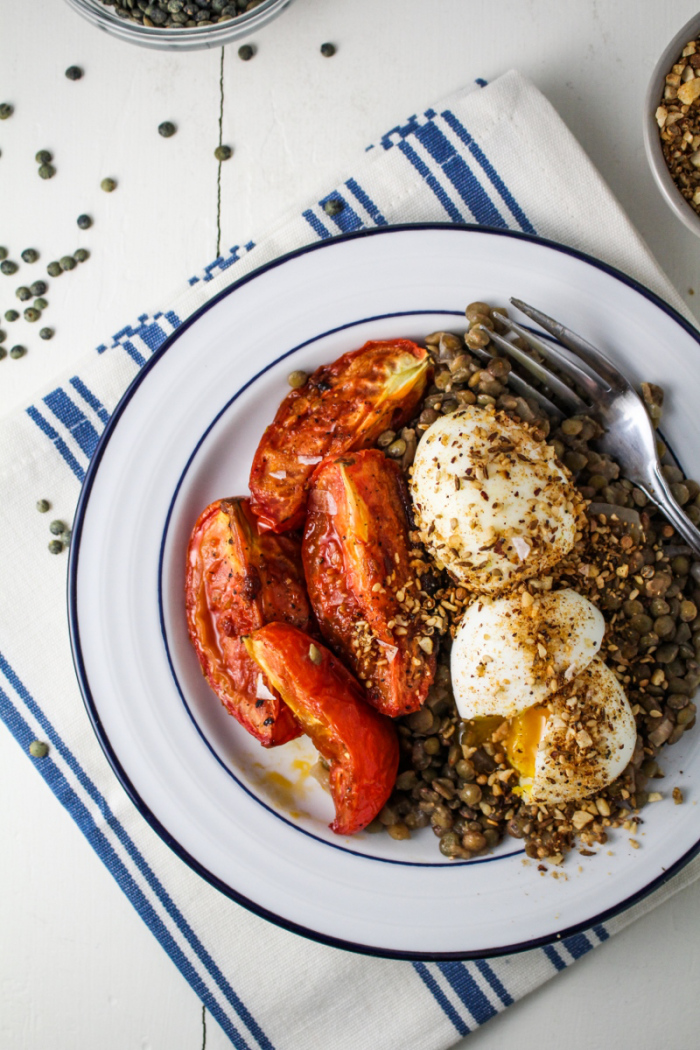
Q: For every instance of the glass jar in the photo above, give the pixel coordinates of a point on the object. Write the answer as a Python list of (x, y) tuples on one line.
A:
[(186, 38)]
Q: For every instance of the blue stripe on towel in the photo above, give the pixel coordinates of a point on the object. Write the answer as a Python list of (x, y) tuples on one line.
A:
[(468, 990), (90, 399), (366, 201), (60, 444), (577, 945), (478, 154), (346, 220), (430, 180), (495, 982), (73, 419), (133, 353), (93, 792), (440, 998), (316, 225), (460, 175), (554, 957)]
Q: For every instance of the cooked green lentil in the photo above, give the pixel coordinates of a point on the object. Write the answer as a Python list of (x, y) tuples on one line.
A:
[(67, 262), (18, 351), (11, 315), (3, 353), (46, 333), (31, 314), (38, 749), (54, 269), (297, 379), (42, 505), (40, 303), (39, 287), (84, 222), (3, 253), (328, 50), (450, 777), (47, 171), (81, 255), (57, 527), (3, 336), (30, 255), (333, 206), (8, 267), (55, 547), (43, 157), (74, 72), (166, 129), (23, 293), (6, 110), (108, 185), (246, 52), (223, 153)]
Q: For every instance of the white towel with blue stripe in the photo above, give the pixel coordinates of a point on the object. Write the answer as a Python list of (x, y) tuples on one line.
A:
[(498, 155)]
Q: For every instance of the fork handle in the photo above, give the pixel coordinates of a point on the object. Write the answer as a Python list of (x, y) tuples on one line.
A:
[(660, 493)]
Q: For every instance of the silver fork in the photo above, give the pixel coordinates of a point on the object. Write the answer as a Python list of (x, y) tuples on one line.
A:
[(608, 397)]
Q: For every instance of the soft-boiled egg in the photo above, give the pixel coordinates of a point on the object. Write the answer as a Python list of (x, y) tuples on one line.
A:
[(511, 653), (492, 504), (577, 743)]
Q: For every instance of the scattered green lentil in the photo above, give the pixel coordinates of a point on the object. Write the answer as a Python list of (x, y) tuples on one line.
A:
[(81, 255), (18, 351), (108, 185), (43, 157), (3, 336), (297, 379), (333, 206), (166, 129), (8, 267), (11, 315), (47, 171), (3, 253), (328, 50), (246, 52), (38, 749), (84, 222), (74, 72), (55, 547), (67, 262), (40, 304), (3, 353), (23, 293), (223, 153), (46, 333), (39, 287), (31, 314), (57, 527), (42, 505), (6, 110), (54, 269), (30, 255)]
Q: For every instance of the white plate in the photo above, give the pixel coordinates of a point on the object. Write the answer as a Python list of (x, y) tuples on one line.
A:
[(249, 820)]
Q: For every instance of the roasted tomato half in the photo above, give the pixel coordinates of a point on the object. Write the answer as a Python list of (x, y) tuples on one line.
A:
[(238, 580), (364, 592), (343, 406), (360, 745)]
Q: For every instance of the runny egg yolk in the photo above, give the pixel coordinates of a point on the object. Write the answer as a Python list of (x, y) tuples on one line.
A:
[(524, 737)]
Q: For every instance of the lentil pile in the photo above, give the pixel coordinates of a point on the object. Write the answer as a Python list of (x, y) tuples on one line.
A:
[(176, 14), (678, 117), (627, 560)]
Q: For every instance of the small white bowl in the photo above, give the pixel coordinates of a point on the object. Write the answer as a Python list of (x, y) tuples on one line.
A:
[(652, 141)]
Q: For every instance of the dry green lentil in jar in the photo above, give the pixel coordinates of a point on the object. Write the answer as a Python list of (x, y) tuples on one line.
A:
[(461, 785)]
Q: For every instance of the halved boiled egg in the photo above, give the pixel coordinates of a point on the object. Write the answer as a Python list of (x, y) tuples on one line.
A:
[(493, 505), (578, 743), (512, 653)]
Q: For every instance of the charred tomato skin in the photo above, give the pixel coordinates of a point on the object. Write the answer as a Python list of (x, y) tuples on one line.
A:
[(360, 745), (345, 405), (236, 581), (357, 559)]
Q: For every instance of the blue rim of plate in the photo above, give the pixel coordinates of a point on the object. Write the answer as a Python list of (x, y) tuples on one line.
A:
[(74, 630)]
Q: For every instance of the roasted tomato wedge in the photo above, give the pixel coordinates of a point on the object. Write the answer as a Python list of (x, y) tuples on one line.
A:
[(345, 405), (357, 561), (360, 745), (238, 580)]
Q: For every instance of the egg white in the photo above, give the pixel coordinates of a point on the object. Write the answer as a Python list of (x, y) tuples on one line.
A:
[(506, 656), (492, 504)]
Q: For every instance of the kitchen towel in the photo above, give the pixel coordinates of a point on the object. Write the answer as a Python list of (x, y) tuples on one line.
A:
[(493, 154)]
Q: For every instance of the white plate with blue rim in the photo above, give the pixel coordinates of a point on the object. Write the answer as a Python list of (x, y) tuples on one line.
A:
[(252, 821)]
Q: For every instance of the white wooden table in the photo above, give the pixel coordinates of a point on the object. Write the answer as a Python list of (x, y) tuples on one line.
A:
[(77, 967)]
